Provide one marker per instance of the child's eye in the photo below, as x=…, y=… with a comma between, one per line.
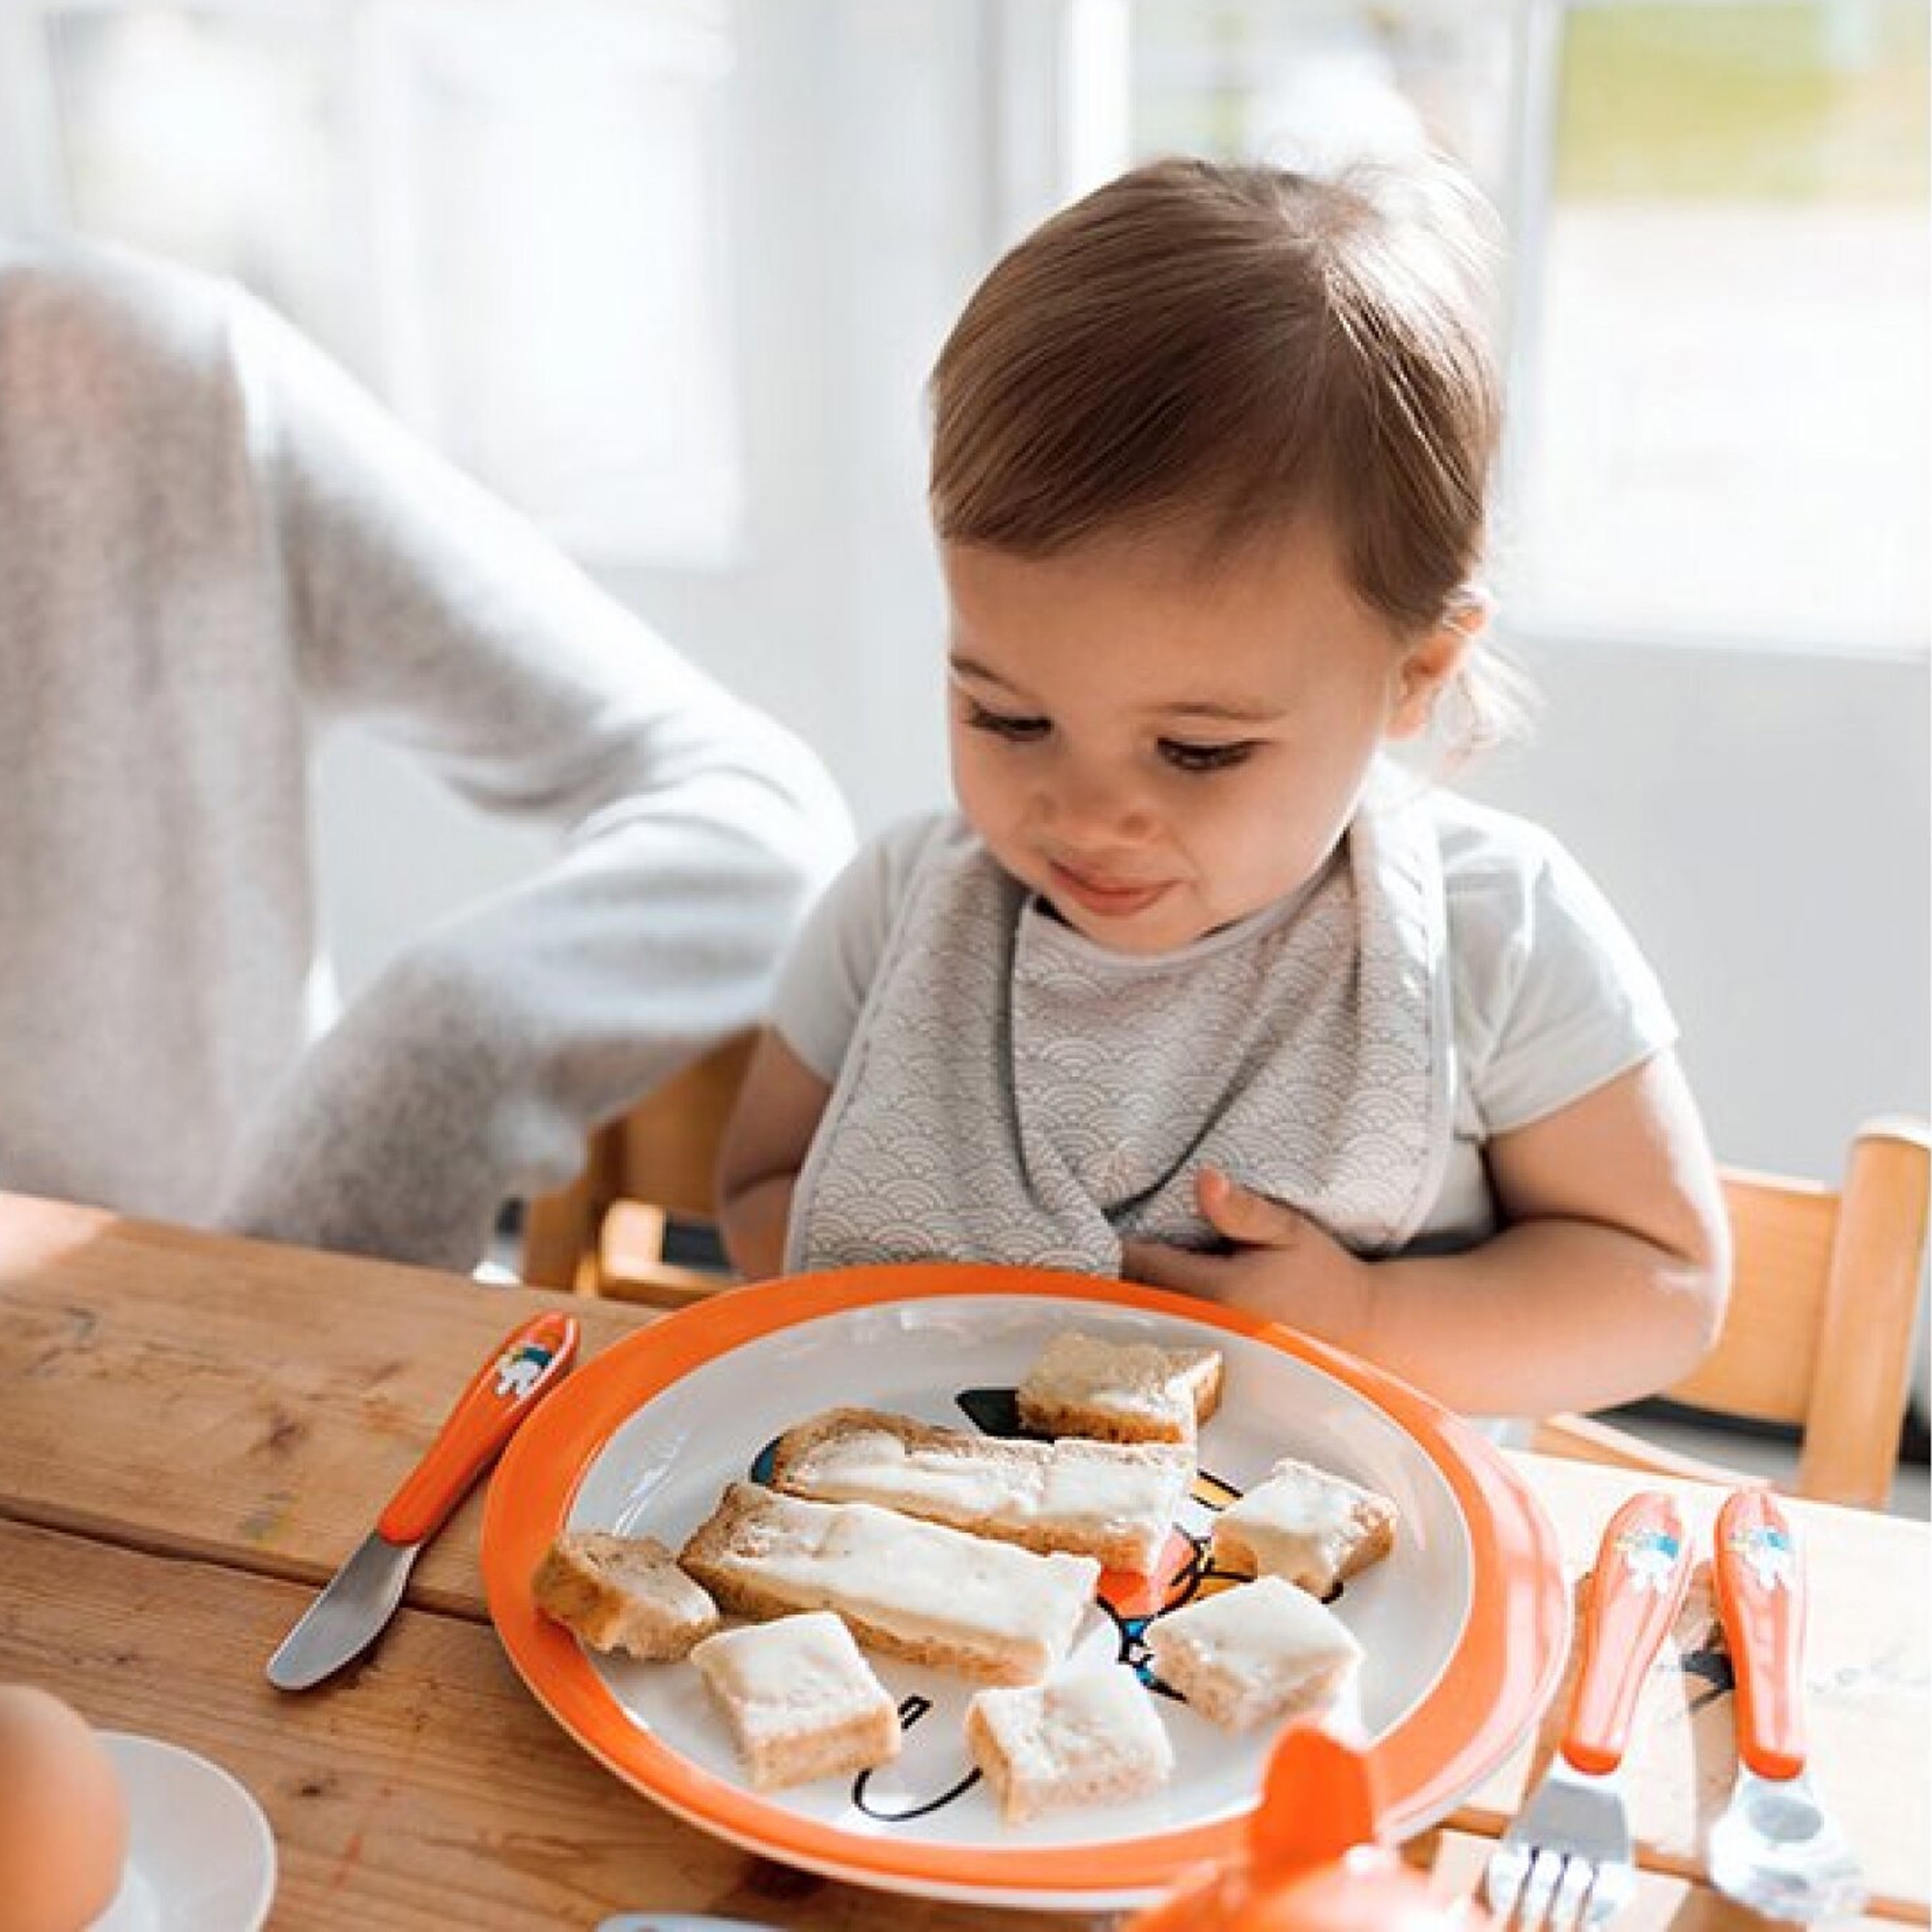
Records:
x=1015, y=730
x=1188, y=757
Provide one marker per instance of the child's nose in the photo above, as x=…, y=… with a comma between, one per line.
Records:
x=1092, y=807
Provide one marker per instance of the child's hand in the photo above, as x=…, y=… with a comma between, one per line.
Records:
x=1284, y=1265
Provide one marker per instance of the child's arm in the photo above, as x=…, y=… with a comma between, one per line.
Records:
x=1606, y=1282
x=766, y=1139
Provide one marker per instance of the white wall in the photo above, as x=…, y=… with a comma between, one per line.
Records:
x=1761, y=822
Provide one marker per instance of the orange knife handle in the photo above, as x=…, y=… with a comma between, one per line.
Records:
x=1643, y=1568
x=1761, y=1599
x=531, y=1360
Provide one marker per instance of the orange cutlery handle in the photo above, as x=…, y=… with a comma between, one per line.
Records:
x=1643, y=1568
x=1760, y=1589
x=504, y=1390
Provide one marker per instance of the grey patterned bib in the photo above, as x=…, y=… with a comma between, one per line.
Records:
x=1015, y=1093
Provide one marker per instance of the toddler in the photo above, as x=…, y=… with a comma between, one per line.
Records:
x=1195, y=987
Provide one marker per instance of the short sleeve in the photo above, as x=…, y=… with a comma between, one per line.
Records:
x=1554, y=998
x=828, y=973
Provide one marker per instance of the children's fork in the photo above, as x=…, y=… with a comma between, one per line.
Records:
x=1568, y=1860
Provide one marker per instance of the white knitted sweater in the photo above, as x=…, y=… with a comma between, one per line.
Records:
x=213, y=546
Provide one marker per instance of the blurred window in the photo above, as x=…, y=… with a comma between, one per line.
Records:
x=1720, y=324
x=1723, y=327
x=510, y=219
x=1326, y=81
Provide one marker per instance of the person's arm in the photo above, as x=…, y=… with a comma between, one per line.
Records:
x=1607, y=1281
x=766, y=1140
x=696, y=831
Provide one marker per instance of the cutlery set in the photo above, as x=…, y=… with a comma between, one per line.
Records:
x=1567, y=1862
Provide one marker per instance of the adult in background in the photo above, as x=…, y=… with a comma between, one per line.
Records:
x=213, y=547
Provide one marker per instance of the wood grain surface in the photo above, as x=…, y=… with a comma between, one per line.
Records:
x=195, y=1431
x=234, y=1399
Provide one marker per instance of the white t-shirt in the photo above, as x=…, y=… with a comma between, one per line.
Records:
x=1550, y=997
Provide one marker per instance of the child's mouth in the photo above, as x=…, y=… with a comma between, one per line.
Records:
x=1103, y=896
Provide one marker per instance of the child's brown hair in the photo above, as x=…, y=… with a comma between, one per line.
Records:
x=1209, y=351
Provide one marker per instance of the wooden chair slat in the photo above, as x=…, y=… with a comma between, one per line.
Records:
x=1824, y=1297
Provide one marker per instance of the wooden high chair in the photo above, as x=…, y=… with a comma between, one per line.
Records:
x=1824, y=1296
x=606, y=1232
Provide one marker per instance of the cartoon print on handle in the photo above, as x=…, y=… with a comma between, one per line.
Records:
x=1651, y=1556
x=1184, y=1575
x=520, y=1369
x=1768, y=1553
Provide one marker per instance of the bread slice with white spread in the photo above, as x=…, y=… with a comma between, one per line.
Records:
x=917, y=1590
x=1120, y=1391
x=1115, y=1502
x=801, y=1701
x=622, y=1593
x=1256, y=1651
x=1306, y=1525
x=1092, y=1737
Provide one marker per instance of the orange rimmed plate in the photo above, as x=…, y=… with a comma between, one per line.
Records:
x=1464, y=1626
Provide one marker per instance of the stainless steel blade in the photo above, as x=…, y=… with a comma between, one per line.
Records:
x=1779, y=1851
x=349, y=1615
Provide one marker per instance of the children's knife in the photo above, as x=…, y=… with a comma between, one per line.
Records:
x=349, y=1615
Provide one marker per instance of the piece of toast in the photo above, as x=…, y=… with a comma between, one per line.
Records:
x=1120, y=1391
x=1113, y=1501
x=800, y=1700
x=1306, y=1525
x=1258, y=1650
x=622, y=1593
x=918, y=1590
x=1092, y=1737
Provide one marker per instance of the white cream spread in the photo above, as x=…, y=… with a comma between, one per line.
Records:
x=1091, y=1727
x=921, y=1580
x=806, y=1662
x=1095, y=1492
x=1303, y=1524
x=1133, y=1381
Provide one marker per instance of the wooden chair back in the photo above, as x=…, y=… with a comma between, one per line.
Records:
x=1824, y=1301
x=605, y=1232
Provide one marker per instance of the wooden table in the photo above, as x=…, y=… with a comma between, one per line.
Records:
x=194, y=1432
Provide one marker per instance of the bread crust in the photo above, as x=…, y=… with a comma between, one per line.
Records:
x=623, y=1593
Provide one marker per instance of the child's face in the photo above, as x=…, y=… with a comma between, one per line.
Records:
x=1159, y=752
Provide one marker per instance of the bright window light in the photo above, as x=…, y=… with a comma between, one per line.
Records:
x=511, y=220
x=1723, y=328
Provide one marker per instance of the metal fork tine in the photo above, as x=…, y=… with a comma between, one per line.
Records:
x=1523, y=1907
x=1588, y=1910
x=1609, y=1890
x=1566, y=1910
x=1503, y=1880
x=1534, y=1895
x=1546, y=1873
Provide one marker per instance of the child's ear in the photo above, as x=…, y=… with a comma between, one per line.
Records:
x=1429, y=665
